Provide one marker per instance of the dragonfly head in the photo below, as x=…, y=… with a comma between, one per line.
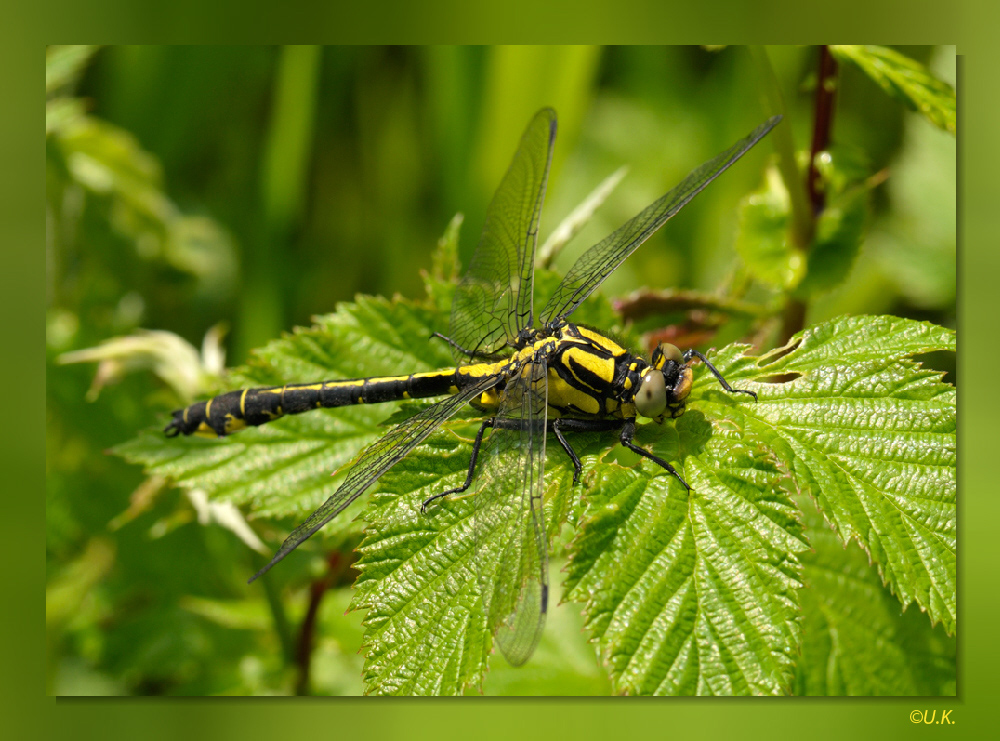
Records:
x=664, y=385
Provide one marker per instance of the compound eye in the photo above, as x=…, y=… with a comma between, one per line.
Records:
x=651, y=398
x=664, y=352
x=672, y=352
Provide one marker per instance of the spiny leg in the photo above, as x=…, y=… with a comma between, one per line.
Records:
x=577, y=466
x=579, y=425
x=472, y=466
x=628, y=431
x=695, y=354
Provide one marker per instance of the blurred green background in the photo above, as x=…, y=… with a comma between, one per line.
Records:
x=258, y=186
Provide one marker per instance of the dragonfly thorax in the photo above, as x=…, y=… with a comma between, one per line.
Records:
x=589, y=375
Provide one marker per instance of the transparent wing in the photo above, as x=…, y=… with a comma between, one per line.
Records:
x=512, y=548
x=376, y=460
x=598, y=262
x=493, y=300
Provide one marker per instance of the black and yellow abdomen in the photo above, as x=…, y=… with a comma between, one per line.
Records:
x=236, y=410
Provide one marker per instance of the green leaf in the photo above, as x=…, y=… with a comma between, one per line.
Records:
x=64, y=64
x=855, y=639
x=871, y=436
x=905, y=80
x=63, y=113
x=693, y=592
x=696, y=592
x=427, y=631
x=762, y=239
x=836, y=242
x=114, y=170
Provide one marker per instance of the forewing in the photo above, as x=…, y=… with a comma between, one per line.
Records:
x=512, y=557
x=376, y=460
x=602, y=259
x=493, y=300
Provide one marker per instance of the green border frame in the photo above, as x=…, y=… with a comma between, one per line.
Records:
x=29, y=713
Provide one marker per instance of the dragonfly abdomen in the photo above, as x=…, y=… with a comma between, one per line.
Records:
x=236, y=410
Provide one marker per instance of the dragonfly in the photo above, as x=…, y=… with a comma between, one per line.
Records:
x=530, y=376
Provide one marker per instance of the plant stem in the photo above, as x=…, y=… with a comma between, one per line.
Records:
x=806, y=200
x=338, y=573
x=304, y=645
x=826, y=91
x=794, y=319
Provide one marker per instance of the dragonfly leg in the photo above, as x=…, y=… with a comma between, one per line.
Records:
x=471, y=354
x=472, y=466
x=561, y=424
x=577, y=466
x=695, y=354
x=628, y=431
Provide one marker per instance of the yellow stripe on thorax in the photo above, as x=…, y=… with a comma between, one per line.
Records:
x=584, y=396
x=598, y=339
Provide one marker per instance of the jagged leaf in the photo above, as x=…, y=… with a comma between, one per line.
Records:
x=693, y=592
x=855, y=639
x=696, y=592
x=426, y=629
x=906, y=80
x=871, y=436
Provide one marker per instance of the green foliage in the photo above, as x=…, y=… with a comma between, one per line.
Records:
x=855, y=639
x=905, y=80
x=110, y=166
x=871, y=436
x=765, y=243
x=63, y=65
x=709, y=601
x=763, y=237
x=693, y=593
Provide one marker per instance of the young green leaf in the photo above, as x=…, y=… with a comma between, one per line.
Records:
x=762, y=239
x=905, y=80
x=837, y=241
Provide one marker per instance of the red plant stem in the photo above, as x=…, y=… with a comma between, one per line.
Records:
x=826, y=91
